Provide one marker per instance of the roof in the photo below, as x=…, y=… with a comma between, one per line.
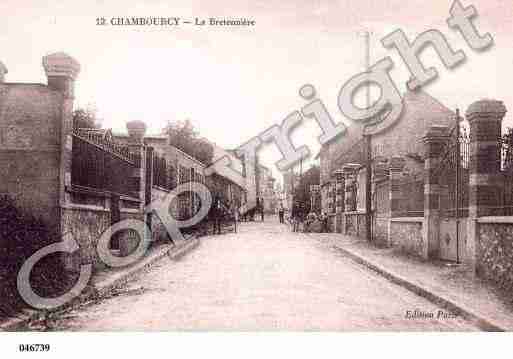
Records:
x=164, y=139
x=420, y=111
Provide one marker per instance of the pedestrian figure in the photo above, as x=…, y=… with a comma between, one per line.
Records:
x=217, y=213
x=235, y=214
x=262, y=208
x=301, y=215
x=310, y=219
x=295, y=217
x=281, y=213
x=324, y=222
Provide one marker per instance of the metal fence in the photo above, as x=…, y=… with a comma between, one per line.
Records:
x=506, y=167
x=411, y=203
x=101, y=164
x=160, y=172
x=453, y=174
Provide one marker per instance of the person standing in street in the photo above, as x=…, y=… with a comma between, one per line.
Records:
x=235, y=214
x=324, y=222
x=262, y=208
x=217, y=213
x=295, y=217
x=281, y=213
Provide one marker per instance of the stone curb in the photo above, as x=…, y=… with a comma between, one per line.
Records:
x=456, y=308
x=103, y=287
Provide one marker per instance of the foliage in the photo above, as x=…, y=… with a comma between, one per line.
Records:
x=21, y=235
x=185, y=137
x=86, y=118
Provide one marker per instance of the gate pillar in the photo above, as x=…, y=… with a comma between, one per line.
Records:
x=484, y=117
x=339, y=199
x=434, y=141
x=395, y=170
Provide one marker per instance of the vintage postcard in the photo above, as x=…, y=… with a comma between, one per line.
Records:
x=254, y=166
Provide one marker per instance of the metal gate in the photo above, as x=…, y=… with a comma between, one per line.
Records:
x=453, y=177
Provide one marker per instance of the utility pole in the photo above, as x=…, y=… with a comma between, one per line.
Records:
x=457, y=194
x=292, y=189
x=368, y=149
x=300, y=178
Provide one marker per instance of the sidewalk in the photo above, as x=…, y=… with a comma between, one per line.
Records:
x=105, y=281
x=452, y=287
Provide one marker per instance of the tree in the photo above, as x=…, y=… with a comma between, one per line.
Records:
x=185, y=137
x=86, y=118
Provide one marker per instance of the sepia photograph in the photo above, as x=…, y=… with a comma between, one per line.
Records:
x=256, y=178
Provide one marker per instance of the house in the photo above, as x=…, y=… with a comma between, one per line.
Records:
x=343, y=172
x=266, y=189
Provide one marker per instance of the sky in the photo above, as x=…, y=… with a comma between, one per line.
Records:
x=233, y=83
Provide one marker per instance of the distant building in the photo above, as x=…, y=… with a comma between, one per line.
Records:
x=266, y=188
x=290, y=183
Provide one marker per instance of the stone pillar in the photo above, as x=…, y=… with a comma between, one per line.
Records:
x=62, y=71
x=339, y=199
x=379, y=172
x=349, y=183
x=136, y=131
x=3, y=72
x=128, y=240
x=330, y=198
x=381, y=220
x=484, y=117
x=434, y=141
x=396, y=170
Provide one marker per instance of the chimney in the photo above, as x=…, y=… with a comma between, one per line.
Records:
x=61, y=71
x=3, y=71
x=136, y=131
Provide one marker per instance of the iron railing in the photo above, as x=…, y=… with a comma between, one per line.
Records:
x=506, y=167
x=160, y=172
x=411, y=203
x=453, y=174
x=101, y=164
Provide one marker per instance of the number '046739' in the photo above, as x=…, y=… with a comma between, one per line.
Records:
x=34, y=347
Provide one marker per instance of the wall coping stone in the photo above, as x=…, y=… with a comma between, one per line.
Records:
x=61, y=64
x=354, y=212
x=495, y=219
x=492, y=109
x=161, y=188
x=84, y=207
x=130, y=210
x=407, y=219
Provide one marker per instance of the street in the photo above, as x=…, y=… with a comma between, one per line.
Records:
x=262, y=278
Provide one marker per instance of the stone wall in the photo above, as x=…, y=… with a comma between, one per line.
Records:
x=380, y=231
x=86, y=225
x=340, y=222
x=406, y=235
x=355, y=224
x=495, y=254
x=159, y=232
x=331, y=222
x=30, y=148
